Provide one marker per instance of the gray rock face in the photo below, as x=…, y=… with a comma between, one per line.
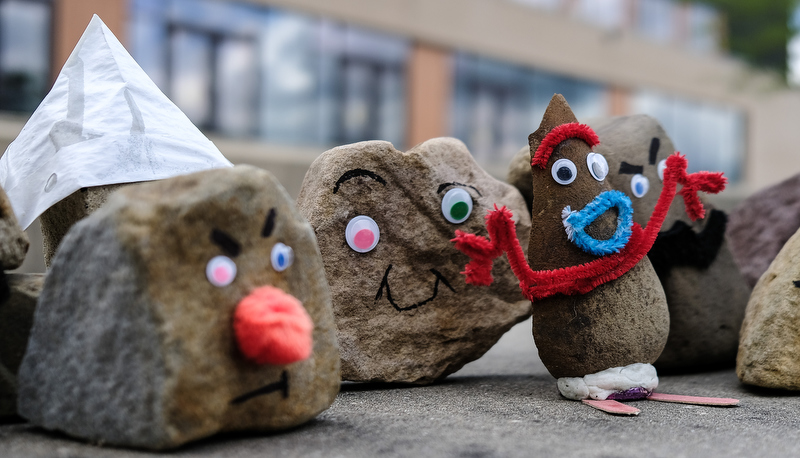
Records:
x=621, y=322
x=133, y=345
x=770, y=335
x=59, y=218
x=403, y=311
x=16, y=319
x=13, y=241
x=761, y=224
x=705, y=292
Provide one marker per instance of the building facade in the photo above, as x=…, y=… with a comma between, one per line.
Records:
x=276, y=82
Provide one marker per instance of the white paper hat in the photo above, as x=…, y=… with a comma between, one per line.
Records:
x=104, y=122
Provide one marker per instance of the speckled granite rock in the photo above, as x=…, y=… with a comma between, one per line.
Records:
x=705, y=292
x=621, y=322
x=761, y=224
x=58, y=219
x=13, y=241
x=16, y=319
x=133, y=345
x=770, y=335
x=403, y=310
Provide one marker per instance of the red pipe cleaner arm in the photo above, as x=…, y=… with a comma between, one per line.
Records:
x=582, y=278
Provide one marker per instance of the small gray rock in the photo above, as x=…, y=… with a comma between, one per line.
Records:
x=133, y=344
x=403, y=310
x=13, y=241
x=770, y=335
x=16, y=319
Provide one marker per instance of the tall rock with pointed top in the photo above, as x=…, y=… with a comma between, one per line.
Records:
x=618, y=323
x=103, y=123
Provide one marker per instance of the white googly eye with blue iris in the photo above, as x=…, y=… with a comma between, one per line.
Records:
x=598, y=166
x=282, y=257
x=639, y=185
x=662, y=165
x=456, y=205
x=221, y=271
x=564, y=171
x=362, y=234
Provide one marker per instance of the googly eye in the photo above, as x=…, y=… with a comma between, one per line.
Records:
x=282, y=256
x=456, y=205
x=564, y=171
x=662, y=165
x=639, y=185
x=362, y=234
x=598, y=166
x=220, y=271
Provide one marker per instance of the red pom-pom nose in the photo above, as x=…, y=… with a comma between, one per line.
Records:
x=272, y=327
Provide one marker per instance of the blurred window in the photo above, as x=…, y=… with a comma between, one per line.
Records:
x=24, y=53
x=656, y=19
x=608, y=14
x=497, y=105
x=243, y=70
x=703, y=28
x=711, y=136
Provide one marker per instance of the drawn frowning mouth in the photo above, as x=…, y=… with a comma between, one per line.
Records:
x=385, y=284
x=282, y=385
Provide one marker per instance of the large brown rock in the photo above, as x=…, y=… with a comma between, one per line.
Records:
x=403, y=311
x=621, y=322
x=705, y=292
x=133, y=345
x=761, y=224
x=770, y=335
x=13, y=241
x=58, y=219
x=16, y=319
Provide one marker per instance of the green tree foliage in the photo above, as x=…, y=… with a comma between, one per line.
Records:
x=757, y=30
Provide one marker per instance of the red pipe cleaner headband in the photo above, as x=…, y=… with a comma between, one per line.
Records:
x=557, y=135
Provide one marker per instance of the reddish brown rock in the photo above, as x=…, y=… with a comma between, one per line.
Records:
x=403, y=310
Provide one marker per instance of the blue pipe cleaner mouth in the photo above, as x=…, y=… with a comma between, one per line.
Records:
x=575, y=223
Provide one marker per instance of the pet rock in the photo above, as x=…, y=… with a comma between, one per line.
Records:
x=600, y=316
x=182, y=308
x=770, y=334
x=384, y=220
x=762, y=224
x=705, y=292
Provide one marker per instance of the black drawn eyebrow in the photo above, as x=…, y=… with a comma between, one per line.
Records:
x=228, y=244
x=350, y=174
x=655, y=144
x=269, y=224
x=624, y=167
x=443, y=186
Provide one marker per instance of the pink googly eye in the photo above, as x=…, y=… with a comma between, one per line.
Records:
x=221, y=271
x=362, y=234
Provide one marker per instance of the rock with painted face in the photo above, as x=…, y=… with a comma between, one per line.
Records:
x=621, y=322
x=183, y=308
x=384, y=220
x=769, y=342
x=705, y=292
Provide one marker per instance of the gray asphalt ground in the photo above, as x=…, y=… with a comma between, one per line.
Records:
x=504, y=404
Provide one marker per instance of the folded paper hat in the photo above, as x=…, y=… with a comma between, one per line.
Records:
x=104, y=122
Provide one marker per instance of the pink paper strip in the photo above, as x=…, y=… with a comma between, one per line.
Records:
x=693, y=400
x=613, y=407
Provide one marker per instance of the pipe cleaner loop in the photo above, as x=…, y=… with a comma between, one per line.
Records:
x=575, y=223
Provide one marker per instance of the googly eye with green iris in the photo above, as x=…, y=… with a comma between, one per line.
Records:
x=456, y=205
x=662, y=165
x=564, y=171
x=598, y=166
x=639, y=185
x=282, y=256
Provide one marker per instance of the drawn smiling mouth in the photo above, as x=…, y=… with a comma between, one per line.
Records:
x=385, y=284
x=282, y=385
